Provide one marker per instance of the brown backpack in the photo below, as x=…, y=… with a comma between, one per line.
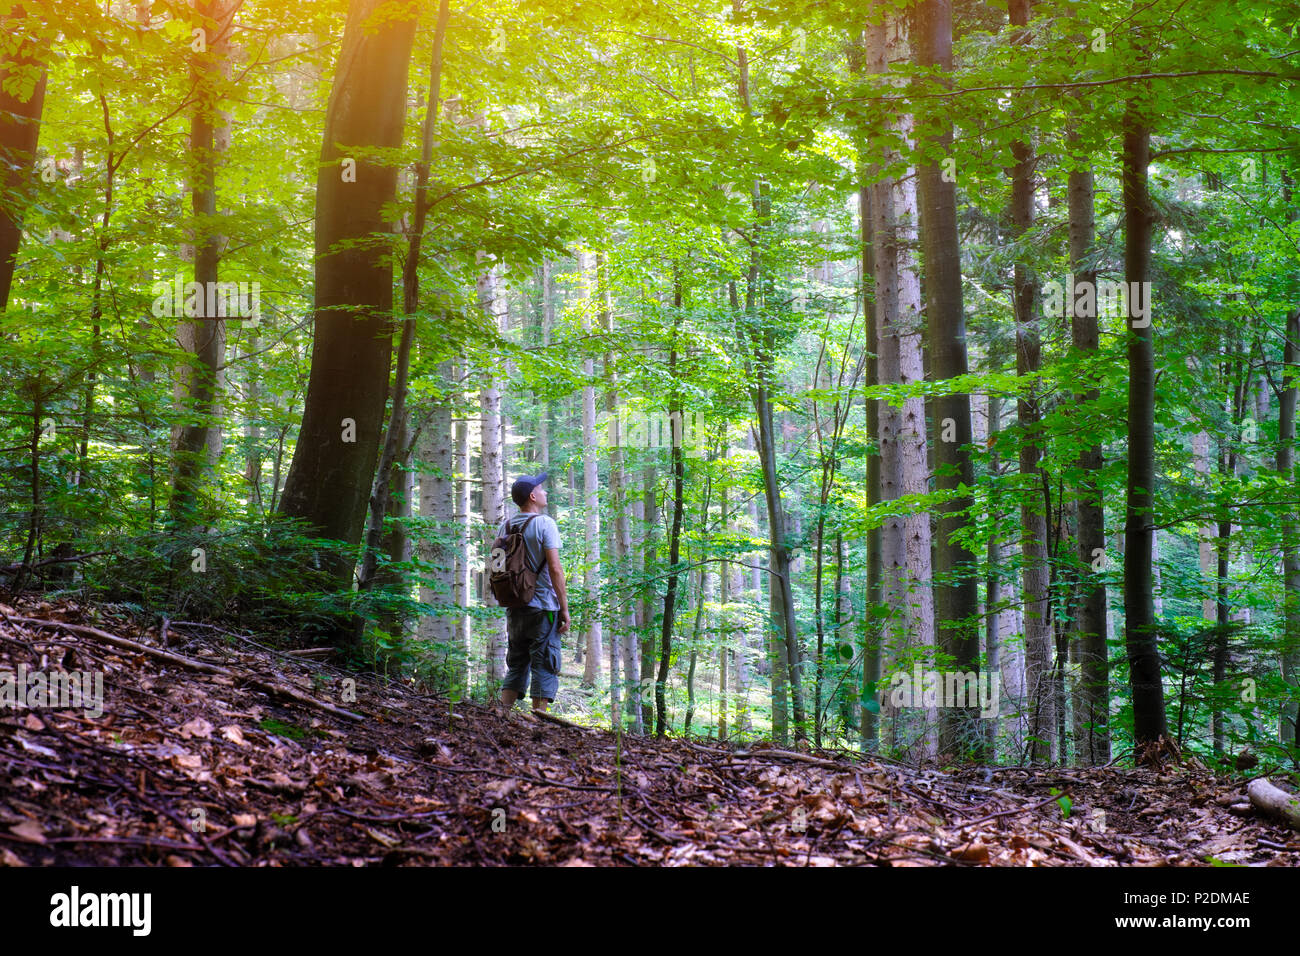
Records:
x=512, y=580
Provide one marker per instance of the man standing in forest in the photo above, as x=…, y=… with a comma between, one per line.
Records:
x=534, y=630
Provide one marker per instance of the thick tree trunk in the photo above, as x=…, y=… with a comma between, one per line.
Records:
x=1139, y=606
x=329, y=481
x=20, y=128
x=904, y=466
x=956, y=594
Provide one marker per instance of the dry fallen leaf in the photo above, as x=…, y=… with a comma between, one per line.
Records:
x=232, y=733
x=198, y=727
x=29, y=830
x=974, y=852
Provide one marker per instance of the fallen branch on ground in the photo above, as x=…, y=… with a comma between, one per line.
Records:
x=1275, y=801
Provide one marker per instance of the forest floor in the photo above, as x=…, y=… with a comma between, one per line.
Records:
x=213, y=748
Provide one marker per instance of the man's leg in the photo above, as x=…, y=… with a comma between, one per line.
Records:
x=517, y=654
x=545, y=661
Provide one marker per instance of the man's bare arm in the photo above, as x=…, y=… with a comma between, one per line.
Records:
x=557, y=582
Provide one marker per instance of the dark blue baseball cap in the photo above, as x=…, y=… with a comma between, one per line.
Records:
x=523, y=487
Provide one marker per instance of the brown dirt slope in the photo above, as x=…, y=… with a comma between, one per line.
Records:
x=215, y=750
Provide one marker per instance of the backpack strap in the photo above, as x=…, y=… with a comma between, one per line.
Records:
x=521, y=531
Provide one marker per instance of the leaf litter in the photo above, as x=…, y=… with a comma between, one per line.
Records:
x=215, y=749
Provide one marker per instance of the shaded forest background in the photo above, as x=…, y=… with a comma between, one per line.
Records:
x=784, y=297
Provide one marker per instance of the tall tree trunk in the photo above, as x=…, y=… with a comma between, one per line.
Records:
x=724, y=628
x=740, y=658
x=492, y=466
x=199, y=442
x=253, y=450
x=904, y=467
x=20, y=129
x=670, y=600
x=464, y=589
x=869, y=700
x=436, y=453
x=1092, y=717
x=702, y=589
x=395, y=543
x=760, y=339
x=330, y=478
x=1139, y=606
x=624, y=649
x=591, y=486
x=1287, y=730
x=1033, y=540
x=547, y=410
x=648, y=568
x=956, y=594
x=1236, y=376
x=993, y=580
x=675, y=535
x=394, y=471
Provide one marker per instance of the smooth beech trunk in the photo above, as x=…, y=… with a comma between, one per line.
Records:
x=329, y=481
x=1139, y=605
x=436, y=453
x=594, y=634
x=905, y=555
x=624, y=649
x=20, y=129
x=869, y=701
x=491, y=466
x=956, y=592
x=464, y=537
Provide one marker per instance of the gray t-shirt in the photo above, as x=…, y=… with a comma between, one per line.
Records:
x=541, y=533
